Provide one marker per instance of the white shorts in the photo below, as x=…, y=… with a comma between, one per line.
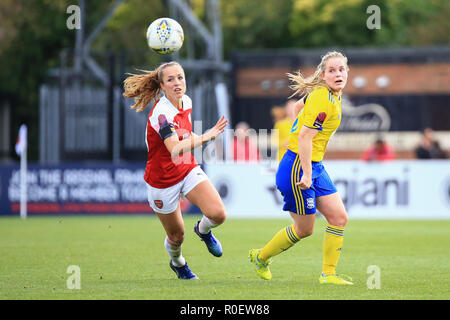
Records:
x=166, y=200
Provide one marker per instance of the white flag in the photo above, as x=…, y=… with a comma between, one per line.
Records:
x=21, y=143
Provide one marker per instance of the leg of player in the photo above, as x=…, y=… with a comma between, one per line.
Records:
x=333, y=209
x=284, y=239
x=302, y=227
x=174, y=226
x=206, y=197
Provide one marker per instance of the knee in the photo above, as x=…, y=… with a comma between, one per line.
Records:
x=344, y=220
x=303, y=232
x=176, y=238
x=340, y=220
x=217, y=214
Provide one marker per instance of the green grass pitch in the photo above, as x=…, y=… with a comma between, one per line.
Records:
x=123, y=257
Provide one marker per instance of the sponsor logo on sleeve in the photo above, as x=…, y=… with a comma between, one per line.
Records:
x=318, y=123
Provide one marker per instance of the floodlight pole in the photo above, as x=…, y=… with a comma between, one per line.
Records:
x=204, y=33
x=79, y=38
x=213, y=60
x=83, y=46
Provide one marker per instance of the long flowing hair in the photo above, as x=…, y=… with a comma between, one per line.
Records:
x=302, y=85
x=146, y=87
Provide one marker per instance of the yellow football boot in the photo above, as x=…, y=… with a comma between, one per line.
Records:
x=262, y=269
x=334, y=279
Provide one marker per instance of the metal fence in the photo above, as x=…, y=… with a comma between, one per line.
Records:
x=76, y=126
x=83, y=119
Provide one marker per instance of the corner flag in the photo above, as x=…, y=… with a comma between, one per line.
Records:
x=21, y=143
x=21, y=150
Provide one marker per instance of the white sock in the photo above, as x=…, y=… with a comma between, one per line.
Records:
x=206, y=225
x=174, y=252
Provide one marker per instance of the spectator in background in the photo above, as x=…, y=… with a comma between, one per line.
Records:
x=284, y=117
x=278, y=113
x=245, y=148
x=428, y=147
x=379, y=151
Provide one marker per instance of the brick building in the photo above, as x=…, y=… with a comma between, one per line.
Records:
x=409, y=86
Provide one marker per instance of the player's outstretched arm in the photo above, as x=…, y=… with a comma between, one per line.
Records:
x=177, y=148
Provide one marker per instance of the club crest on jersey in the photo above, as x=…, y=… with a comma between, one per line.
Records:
x=158, y=204
x=318, y=123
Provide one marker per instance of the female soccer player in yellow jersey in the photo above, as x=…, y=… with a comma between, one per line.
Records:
x=301, y=176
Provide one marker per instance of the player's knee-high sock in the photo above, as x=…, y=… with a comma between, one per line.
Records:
x=174, y=251
x=206, y=225
x=332, y=247
x=283, y=240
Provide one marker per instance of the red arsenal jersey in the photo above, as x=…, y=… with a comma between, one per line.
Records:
x=163, y=171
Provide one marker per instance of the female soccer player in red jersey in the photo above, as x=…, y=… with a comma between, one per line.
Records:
x=172, y=171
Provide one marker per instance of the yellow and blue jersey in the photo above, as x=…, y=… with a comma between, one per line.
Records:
x=322, y=111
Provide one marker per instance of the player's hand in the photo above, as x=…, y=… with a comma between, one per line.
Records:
x=305, y=182
x=215, y=131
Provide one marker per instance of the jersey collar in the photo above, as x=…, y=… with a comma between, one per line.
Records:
x=170, y=104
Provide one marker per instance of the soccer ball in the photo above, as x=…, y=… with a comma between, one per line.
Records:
x=165, y=36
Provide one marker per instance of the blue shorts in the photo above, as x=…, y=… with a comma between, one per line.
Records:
x=296, y=200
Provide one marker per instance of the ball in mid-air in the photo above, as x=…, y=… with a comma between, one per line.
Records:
x=165, y=36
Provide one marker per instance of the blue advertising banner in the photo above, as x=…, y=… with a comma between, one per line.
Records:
x=79, y=188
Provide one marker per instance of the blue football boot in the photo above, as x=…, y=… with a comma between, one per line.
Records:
x=183, y=272
x=213, y=245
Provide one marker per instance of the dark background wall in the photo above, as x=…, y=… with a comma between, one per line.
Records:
x=416, y=95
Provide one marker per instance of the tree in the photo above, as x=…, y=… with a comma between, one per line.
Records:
x=324, y=23
x=36, y=32
x=33, y=33
x=255, y=24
